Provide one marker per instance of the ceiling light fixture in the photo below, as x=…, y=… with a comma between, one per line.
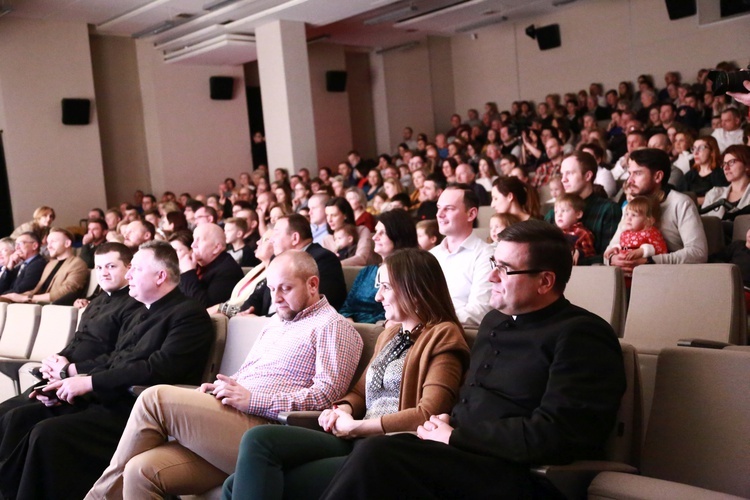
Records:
x=218, y=5
x=318, y=39
x=481, y=24
x=390, y=16
x=130, y=14
x=403, y=46
x=162, y=27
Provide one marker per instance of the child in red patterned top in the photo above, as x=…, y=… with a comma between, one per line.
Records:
x=640, y=238
x=568, y=213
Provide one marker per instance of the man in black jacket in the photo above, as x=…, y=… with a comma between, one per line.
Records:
x=543, y=387
x=293, y=232
x=209, y=273
x=66, y=443
x=97, y=331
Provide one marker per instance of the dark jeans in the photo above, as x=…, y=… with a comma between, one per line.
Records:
x=285, y=462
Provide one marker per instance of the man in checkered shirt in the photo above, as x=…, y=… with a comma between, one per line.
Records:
x=304, y=359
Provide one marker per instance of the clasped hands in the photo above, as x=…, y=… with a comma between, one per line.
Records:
x=338, y=421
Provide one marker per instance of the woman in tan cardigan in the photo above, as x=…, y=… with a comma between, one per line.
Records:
x=415, y=372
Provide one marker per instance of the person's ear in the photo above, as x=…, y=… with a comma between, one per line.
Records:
x=548, y=279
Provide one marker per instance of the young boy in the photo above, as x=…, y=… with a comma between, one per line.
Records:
x=428, y=235
x=234, y=232
x=346, y=240
x=568, y=213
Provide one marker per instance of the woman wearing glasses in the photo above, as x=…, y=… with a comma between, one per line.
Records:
x=736, y=196
x=705, y=173
x=415, y=372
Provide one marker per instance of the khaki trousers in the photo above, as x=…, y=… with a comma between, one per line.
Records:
x=203, y=453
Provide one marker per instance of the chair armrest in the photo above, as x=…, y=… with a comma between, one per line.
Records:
x=572, y=480
x=306, y=419
x=707, y=344
x=136, y=390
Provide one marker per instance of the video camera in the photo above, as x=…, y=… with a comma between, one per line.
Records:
x=729, y=81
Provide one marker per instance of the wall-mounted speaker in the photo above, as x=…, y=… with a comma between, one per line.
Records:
x=677, y=9
x=76, y=111
x=336, y=81
x=222, y=88
x=548, y=37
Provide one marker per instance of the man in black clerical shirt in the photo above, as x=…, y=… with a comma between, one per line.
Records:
x=543, y=387
x=64, y=448
x=97, y=331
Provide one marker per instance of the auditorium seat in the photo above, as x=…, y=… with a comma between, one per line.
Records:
x=685, y=301
x=19, y=331
x=3, y=311
x=622, y=448
x=219, y=322
x=740, y=227
x=601, y=290
x=350, y=274
x=484, y=215
x=696, y=445
x=92, y=284
x=714, y=230
x=483, y=233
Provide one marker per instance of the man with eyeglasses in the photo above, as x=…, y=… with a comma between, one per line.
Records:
x=24, y=267
x=680, y=222
x=543, y=387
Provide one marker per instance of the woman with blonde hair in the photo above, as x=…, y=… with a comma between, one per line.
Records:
x=40, y=224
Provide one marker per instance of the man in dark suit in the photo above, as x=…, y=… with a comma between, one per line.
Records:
x=543, y=387
x=63, y=445
x=293, y=232
x=209, y=273
x=25, y=266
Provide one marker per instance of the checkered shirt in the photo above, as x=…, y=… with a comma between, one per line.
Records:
x=302, y=364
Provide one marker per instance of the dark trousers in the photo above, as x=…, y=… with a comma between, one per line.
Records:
x=405, y=467
x=57, y=452
x=277, y=461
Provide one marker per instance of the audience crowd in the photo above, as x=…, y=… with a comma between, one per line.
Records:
x=625, y=175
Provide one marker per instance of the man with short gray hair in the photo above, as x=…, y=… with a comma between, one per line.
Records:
x=64, y=444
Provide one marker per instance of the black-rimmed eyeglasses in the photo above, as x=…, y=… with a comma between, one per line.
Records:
x=506, y=271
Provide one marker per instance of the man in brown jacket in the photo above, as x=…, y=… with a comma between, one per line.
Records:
x=64, y=277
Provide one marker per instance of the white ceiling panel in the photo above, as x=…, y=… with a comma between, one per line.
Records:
x=341, y=20
x=224, y=50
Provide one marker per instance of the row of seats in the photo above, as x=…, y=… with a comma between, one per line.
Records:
x=30, y=332
x=627, y=452
x=668, y=303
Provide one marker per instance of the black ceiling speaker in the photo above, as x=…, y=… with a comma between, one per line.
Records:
x=547, y=37
x=76, y=111
x=336, y=81
x=677, y=9
x=222, y=88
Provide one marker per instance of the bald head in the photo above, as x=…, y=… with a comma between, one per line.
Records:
x=660, y=141
x=293, y=281
x=208, y=243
